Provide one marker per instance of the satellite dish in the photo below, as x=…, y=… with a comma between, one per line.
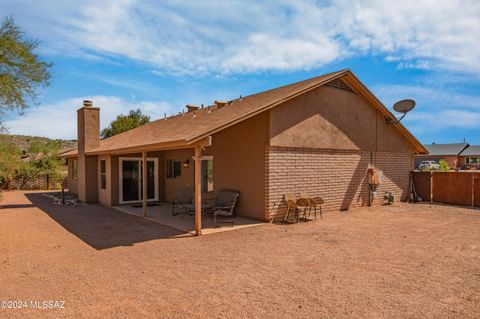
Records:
x=404, y=106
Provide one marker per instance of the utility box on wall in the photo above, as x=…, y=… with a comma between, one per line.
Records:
x=375, y=176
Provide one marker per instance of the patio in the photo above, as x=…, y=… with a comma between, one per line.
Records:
x=162, y=213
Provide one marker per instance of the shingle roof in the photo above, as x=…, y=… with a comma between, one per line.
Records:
x=445, y=149
x=472, y=150
x=68, y=152
x=190, y=127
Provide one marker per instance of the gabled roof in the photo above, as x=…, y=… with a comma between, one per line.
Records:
x=188, y=128
x=446, y=149
x=472, y=150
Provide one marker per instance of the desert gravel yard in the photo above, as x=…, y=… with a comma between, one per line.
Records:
x=405, y=261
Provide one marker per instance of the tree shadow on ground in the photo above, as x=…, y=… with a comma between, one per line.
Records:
x=103, y=227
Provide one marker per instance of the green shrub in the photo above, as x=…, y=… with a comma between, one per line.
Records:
x=443, y=166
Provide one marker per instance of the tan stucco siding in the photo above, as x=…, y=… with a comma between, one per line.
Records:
x=85, y=185
x=239, y=163
x=172, y=186
x=105, y=195
x=330, y=118
x=72, y=182
x=91, y=178
x=115, y=182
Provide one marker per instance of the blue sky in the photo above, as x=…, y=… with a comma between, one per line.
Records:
x=160, y=56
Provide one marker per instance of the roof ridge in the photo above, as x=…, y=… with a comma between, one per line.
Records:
x=294, y=83
x=462, y=143
x=243, y=97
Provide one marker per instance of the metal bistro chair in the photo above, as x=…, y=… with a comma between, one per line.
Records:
x=183, y=203
x=224, y=207
x=313, y=203
x=295, y=205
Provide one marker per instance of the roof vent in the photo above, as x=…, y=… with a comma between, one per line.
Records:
x=191, y=108
x=220, y=104
x=339, y=84
x=87, y=103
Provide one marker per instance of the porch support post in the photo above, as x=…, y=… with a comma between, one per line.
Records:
x=144, y=183
x=198, y=190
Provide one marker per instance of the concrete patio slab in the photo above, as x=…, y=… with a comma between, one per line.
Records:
x=162, y=213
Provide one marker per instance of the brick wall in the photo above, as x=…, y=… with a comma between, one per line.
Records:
x=339, y=177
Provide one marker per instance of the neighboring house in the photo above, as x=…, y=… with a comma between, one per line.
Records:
x=447, y=152
x=320, y=136
x=470, y=157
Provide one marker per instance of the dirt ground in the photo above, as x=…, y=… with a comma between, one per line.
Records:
x=405, y=261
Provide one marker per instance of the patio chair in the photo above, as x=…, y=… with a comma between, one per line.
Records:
x=313, y=203
x=183, y=203
x=291, y=207
x=295, y=205
x=223, y=206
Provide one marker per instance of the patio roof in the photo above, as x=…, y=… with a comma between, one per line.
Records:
x=184, y=129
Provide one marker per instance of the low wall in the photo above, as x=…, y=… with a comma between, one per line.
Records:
x=456, y=188
x=43, y=182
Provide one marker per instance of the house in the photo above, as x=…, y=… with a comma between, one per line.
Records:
x=450, y=153
x=320, y=135
x=470, y=157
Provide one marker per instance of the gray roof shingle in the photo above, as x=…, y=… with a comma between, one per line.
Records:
x=472, y=150
x=445, y=149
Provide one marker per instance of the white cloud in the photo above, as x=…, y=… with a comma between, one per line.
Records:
x=59, y=120
x=437, y=109
x=198, y=37
x=443, y=121
x=434, y=98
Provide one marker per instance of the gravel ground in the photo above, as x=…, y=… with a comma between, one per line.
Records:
x=405, y=261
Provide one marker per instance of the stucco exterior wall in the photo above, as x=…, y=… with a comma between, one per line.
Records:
x=330, y=118
x=72, y=182
x=105, y=195
x=91, y=178
x=172, y=186
x=114, y=190
x=239, y=163
x=88, y=133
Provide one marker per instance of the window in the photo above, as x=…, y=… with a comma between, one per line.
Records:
x=130, y=179
x=173, y=169
x=472, y=160
x=74, y=169
x=207, y=175
x=103, y=174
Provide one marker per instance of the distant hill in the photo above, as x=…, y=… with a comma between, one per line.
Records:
x=22, y=141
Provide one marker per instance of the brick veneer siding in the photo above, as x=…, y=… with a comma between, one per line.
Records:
x=339, y=177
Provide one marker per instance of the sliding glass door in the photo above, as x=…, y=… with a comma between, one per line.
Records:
x=131, y=180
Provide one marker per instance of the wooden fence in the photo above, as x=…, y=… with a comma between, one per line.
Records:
x=457, y=188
